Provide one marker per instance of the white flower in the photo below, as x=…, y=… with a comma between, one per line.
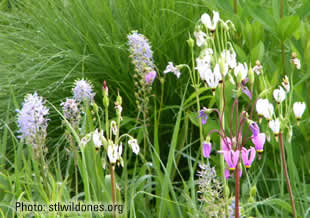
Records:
x=274, y=125
x=229, y=57
x=206, y=20
x=98, y=138
x=85, y=140
x=286, y=84
x=299, y=109
x=171, y=68
x=204, y=62
x=242, y=70
x=279, y=95
x=296, y=62
x=114, y=153
x=257, y=69
x=134, y=145
x=213, y=78
x=200, y=37
x=114, y=127
x=264, y=108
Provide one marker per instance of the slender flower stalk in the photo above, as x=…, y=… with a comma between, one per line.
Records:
x=286, y=175
x=112, y=166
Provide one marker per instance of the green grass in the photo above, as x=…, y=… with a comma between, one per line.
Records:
x=46, y=45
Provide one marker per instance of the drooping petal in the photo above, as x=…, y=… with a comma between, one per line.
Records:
x=254, y=128
x=259, y=141
x=206, y=149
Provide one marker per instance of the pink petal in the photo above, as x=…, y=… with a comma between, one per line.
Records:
x=259, y=141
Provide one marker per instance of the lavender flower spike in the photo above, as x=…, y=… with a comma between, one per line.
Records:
x=231, y=157
x=32, y=120
x=206, y=149
x=245, y=156
x=83, y=91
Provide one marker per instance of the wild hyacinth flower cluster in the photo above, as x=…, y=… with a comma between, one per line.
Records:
x=71, y=112
x=210, y=191
x=83, y=91
x=142, y=58
x=32, y=121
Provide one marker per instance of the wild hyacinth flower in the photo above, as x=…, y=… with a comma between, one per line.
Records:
x=210, y=24
x=279, y=95
x=299, y=108
x=140, y=51
x=274, y=125
x=71, y=112
x=32, y=120
x=206, y=149
x=173, y=69
x=231, y=157
x=248, y=156
x=150, y=76
x=210, y=191
x=83, y=91
x=200, y=37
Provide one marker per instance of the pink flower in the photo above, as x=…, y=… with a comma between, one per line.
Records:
x=226, y=144
x=206, y=149
x=259, y=141
x=231, y=157
x=227, y=173
x=245, y=156
x=150, y=76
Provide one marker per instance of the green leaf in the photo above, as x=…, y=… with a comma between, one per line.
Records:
x=287, y=27
x=257, y=52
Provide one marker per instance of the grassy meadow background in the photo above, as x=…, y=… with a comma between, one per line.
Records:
x=46, y=45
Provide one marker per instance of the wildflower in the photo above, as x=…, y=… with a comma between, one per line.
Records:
x=257, y=68
x=226, y=173
x=71, y=111
x=200, y=37
x=279, y=95
x=226, y=144
x=231, y=157
x=83, y=91
x=241, y=71
x=114, y=153
x=206, y=149
x=173, y=69
x=274, y=125
x=299, y=108
x=114, y=127
x=150, y=76
x=254, y=128
x=264, y=108
x=98, y=138
x=206, y=20
x=203, y=114
x=213, y=78
x=85, y=140
x=134, y=145
x=286, y=84
x=32, y=120
x=245, y=156
x=295, y=61
x=229, y=57
x=140, y=51
x=203, y=63
x=245, y=89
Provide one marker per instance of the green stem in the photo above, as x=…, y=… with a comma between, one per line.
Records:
x=286, y=175
x=113, y=188
x=236, y=6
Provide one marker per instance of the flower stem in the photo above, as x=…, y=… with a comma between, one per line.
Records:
x=286, y=175
x=237, y=186
x=236, y=6
x=113, y=188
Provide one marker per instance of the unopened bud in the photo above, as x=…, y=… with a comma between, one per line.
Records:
x=251, y=76
x=253, y=191
x=190, y=42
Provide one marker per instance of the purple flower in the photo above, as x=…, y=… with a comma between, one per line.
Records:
x=259, y=141
x=71, y=111
x=206, y=149
x=226, y=144
x=254, y=128
x=150, y=76
x=247, y=160
x=140, y=51
x=83, y=91
x=171, y=68
x=231, y=157
x=32, y=120
x=203, y=115
x=246, y=91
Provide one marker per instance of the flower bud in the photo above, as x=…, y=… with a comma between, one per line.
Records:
x=106, y=101
x=190, y=42
x=253, y=191
x=119, y=99
x=251, y=76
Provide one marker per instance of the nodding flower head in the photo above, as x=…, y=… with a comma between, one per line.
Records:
x=150, y=76
x=83, y=91
x=173, y=69
x=231, y=157
x=134, y=145
x=257, y=68
x=210, y=24
x=254, y=128
x=114, y=153
x=213, y=78
x=264, y=108
x=226, y=144
x=206, y=149
x=248, y=156
x=286, y=84
x=299, y=108
x=241, y=71
x=200, y=37
x=274, y=125
x=295, y=61
x=259, y=141
x=203, y=114
x=279, y=95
